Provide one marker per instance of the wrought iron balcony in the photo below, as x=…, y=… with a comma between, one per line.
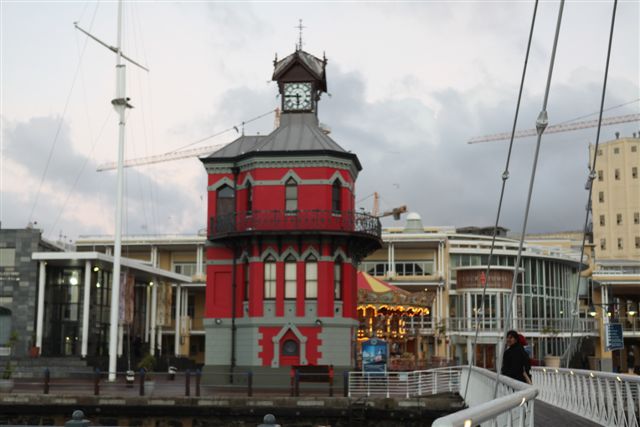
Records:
x=303, y=221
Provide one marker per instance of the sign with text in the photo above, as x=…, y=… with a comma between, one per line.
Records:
x=613, y=337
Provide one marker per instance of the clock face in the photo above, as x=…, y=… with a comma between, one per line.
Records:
x=297, y=97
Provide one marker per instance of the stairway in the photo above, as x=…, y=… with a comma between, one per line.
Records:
x=59, y=367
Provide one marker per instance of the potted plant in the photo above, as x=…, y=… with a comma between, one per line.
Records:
x=148, y=363
x=6, y=382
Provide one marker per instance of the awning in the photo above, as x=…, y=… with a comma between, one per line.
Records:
x=371, y=284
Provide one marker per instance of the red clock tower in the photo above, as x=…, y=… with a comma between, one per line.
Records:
x=284, y=239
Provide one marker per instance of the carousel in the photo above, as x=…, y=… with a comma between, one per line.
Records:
x=393, y=316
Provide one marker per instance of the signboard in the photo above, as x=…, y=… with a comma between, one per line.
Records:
x=374, y=355
x=613, y=337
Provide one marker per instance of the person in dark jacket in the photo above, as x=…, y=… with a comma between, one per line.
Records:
x=515, y=361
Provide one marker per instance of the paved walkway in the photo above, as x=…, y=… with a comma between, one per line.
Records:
x=550, y=416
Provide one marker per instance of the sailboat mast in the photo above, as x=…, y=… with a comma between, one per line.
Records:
x=120, y=105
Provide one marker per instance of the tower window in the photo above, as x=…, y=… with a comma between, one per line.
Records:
x=290, y=348
x=634, y=172
x=600, y=175
x=616, y=150
x=601, y=219
x=637, y=242
x=290, y=277
x=636, y=217
x=616, y=174
x=601, y=196
x=600, y=152
x=291, y=196
x=619, y=219
x=634, y=148
x=619, y=242
x=337, y=279
x=311, y=278
x=270, y=278
x=336, y=199
x=249, y=198
x=225, y=198
x=603, y=244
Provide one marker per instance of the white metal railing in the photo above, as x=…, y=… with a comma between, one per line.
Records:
x=513, y=406
x=602, y=397
x=630, y=324
x=404, y=384
x=551, y=326
x=417, y=323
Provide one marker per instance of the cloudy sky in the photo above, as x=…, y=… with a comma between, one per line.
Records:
x=410, y=83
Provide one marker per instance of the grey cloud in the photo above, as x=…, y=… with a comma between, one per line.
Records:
x=148, y=204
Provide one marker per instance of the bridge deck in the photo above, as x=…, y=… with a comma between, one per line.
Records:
x=549, y=416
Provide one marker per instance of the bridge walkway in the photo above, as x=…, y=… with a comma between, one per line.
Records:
x=546, y=415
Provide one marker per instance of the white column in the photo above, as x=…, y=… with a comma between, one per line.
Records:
x=147, y=311
x=152, y=331
x=199, y=260
x=469, y=311
x=392, y=267
x=470, y=355
x=40, y=314
x=85, y=309
x=154, y=256
x=178, y=294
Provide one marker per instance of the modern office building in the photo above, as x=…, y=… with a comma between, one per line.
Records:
x=615, y=211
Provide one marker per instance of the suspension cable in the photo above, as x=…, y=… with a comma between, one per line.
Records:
x=592, y=175
x=505, y=177
x=541, y=124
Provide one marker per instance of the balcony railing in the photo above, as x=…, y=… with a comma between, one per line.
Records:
x=549, y=326
x=295, y=221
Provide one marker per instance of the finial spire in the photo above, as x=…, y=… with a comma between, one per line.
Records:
x=300, y=27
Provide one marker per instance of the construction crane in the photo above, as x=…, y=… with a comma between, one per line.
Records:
x=192, y=152
x=562, y=127
x=396, y=212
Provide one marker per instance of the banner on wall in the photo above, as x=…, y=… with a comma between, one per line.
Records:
x=163, y=313
x=125, y=312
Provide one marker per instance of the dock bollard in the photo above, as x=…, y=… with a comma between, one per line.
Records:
x=269, y=420
x=77, y=420
x=250, y=383
x=187, y=383
x=198, y=375
x=96, y=382
x=47, y=378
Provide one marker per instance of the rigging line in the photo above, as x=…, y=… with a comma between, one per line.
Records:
x=541, y=123
x=236, y=127
x=505, y=177
x=86, y=160
x=60, y=122
x=592, y=175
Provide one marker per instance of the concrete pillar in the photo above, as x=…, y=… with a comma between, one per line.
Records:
x=85, y=309
x=152, y=322
x=120, y=339
x=40, y=313
x=147, y=313
x=178, y=295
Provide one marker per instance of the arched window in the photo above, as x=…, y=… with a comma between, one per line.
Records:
x=249, y=198
x=311, y=278
x=225, y=198
x=337, y=279
x=291, y=196
x=290, y=274
x=336, y=196
x=270, y=278
x=245, y=276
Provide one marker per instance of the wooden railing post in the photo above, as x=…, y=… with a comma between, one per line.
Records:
x=198, y=375
x=187, y=383
x=47, y=378
x=142, y=375
x=96, y=382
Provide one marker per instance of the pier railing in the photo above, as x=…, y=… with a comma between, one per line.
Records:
x=404, y=384
x=602, y=397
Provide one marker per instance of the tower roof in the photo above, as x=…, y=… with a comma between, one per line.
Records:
x=297, y=134
x=315, y=66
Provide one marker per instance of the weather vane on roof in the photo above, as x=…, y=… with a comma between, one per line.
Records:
x=300, y=27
